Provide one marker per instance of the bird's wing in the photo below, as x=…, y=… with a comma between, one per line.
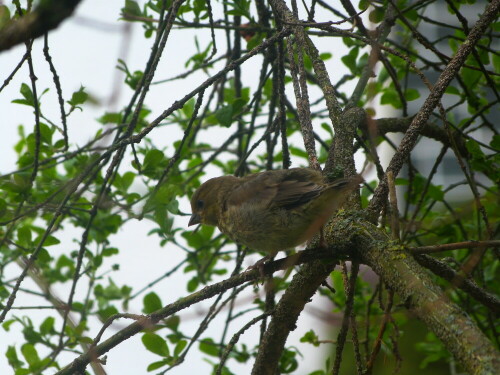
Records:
x=259, y=189
x=293, y=193
x=286, y=190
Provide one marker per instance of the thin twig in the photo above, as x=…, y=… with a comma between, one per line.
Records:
x=453, y=246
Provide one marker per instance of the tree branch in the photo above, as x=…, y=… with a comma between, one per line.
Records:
x=302, y=287
x=454, y=246
x=428, y=129
x=406, y=277
x=47, y=16
x=469, y=286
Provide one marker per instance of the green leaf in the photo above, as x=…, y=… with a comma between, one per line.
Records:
x=20, y=183
x=173, y=322
x=46, y=133
x=208, y=346
x=199, y=6
x=495, y=143
x=188, y=108
x=239, y=8
x=412, y=14
x=163, y=220
x=255, y=40
x=153, y=158
x=124, y=181
x=325, y=56
x=288, y=361
x=307, y=62
x=474, y=148
x=27, y=94
x=495, y=59
x=107, y=312
x=163, y=196
x=436, y=192
x=238, y=105
x=310, y=337
x=131, y=7
x=155, y=344
x=6, y=325
x=109, y=251
x=193, y=284
x=327, y=127
x=151, y=303
x=225, y=115
x=49, y=241
x=44, y=256
x=470, y=77
x=134, y=79
x=199, y=58
x=173, y=206
x=377, y=15
x=78, y=97
x=452, y=90
x=11, y=355
x=412, y=94
x=3, y=207
x=4, y=16
x=179, y=347
x=390, y=97
x=110, y=118
x=364, y=4
x=349, y=60
x=128, y=179
x=295, y=151
x=156, y=365
x=30, y=354
x=47, y=326
x=64, y=262
x=24, y=235
x=59, y=144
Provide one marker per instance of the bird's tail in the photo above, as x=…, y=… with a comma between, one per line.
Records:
x=333, y=197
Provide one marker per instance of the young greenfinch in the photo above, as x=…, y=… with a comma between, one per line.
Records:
x=270, y=211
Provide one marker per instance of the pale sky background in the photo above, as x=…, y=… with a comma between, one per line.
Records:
x=85, y=50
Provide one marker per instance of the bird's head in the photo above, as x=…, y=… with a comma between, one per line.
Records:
x=208, y=199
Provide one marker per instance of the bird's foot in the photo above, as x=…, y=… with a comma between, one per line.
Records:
x=260, y=265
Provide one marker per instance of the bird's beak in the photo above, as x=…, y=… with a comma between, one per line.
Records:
x=195, y=219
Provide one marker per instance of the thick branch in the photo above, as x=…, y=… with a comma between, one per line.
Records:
x=457, y=280
x=340, y=156
x=303, y=286
x=428, y=129
x=422, y=296
x=47, y=16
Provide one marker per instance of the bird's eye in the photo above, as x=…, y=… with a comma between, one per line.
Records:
x=199, y=204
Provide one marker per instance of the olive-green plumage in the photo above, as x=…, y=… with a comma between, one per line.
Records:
x=273, y=210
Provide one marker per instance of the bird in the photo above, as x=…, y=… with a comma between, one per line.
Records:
x=273, y=210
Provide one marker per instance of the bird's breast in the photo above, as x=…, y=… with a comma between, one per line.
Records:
x=262, y=229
